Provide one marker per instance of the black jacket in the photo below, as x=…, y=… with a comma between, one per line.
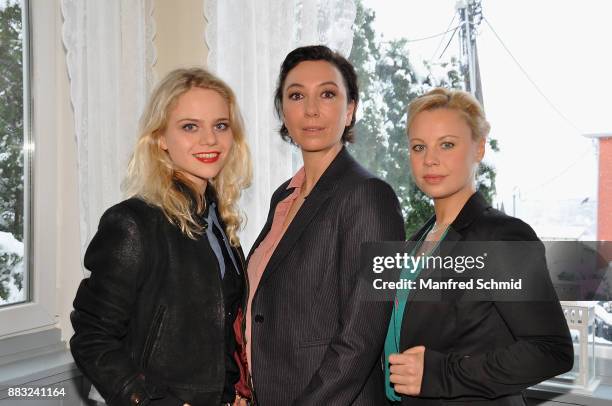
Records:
x=315, y=340
x=480, y=352
x=149, y=321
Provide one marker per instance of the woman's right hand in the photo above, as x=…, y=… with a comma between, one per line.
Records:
x=407, y=370
x=240, y=401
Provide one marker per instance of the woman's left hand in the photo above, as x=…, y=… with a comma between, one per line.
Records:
x=407, y=370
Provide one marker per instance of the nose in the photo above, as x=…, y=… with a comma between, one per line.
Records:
x=311, y=107
x=431, y=157
x=208, y=137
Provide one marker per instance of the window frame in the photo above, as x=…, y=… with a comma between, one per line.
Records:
x=40, y=126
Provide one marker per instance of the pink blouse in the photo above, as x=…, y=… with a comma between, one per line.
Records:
x=263, y=253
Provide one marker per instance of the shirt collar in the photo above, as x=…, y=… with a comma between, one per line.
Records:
x=298, y=179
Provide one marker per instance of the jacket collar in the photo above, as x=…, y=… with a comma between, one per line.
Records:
x=210, y=194
x=474, y=206
x=329, y=179
x=323, y=190
x=471, y=210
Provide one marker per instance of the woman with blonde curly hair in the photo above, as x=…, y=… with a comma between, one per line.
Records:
x=157, y=322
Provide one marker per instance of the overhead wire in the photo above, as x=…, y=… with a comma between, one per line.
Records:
x=442, y=39
x=432, y=36
x=562, y=172
x=533, y=83
x=448, y=43
x=548, y=101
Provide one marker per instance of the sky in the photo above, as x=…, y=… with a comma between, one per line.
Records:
x=563, y=47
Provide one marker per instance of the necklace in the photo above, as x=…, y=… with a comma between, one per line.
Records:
x=401, y=296
x=437, y=227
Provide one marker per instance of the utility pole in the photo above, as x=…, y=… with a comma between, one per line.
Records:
x=470, y=16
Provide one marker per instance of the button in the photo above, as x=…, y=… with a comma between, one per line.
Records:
x=259, y=318
x=135, y=398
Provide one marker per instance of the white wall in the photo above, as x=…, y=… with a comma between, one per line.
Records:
x=180, y=29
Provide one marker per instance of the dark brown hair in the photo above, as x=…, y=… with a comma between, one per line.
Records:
x=318, y=53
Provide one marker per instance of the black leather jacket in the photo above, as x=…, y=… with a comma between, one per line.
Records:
x=149, y=321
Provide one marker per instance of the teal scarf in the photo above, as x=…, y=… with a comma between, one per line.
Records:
x=395, y=325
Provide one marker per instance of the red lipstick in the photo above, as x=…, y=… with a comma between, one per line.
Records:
x=207, y=157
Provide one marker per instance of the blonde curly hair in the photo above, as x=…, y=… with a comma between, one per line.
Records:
x=152, y=175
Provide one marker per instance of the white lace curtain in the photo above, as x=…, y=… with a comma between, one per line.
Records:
x=110, y=54
x=247, y=42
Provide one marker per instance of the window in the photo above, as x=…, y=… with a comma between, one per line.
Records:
x=14, y=158
x=34, y=143
x=547, y=156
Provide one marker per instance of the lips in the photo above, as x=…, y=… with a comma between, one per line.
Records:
x=433, y=179
x=313, y=129
x=207, y=157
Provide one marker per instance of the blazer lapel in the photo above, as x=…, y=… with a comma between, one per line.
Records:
x=474, y=206
x=322, y=191
x=472, y=209
x=419, y=234
x=266, y=229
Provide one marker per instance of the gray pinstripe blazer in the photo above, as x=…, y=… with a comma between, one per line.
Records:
x=314, y=342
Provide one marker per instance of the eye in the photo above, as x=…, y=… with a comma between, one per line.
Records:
x=295, y=96
x=221, y=126
x=190, y=127
x=418, y=147
x=447, y=145
x=328, y=94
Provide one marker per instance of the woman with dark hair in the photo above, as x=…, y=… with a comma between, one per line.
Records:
x=459, y=349
x=154, y=323
x=311, y=339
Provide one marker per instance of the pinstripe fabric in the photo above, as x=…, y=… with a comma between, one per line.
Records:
x=261, y=255
x=314, y=342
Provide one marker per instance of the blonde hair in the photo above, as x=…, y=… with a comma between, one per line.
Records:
x=463, y=102
x=152, y=175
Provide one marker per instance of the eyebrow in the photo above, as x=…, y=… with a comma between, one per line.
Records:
x=329, y=82
x=197, y=120
x=439, y=138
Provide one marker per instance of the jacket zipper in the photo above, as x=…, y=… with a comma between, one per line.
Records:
x=153, y=335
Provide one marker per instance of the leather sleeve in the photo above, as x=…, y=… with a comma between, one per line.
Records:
x=104, y=303
x=370, y=212
x=542, y=349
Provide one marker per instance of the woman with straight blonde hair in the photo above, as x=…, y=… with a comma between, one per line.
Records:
x=158, y=321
